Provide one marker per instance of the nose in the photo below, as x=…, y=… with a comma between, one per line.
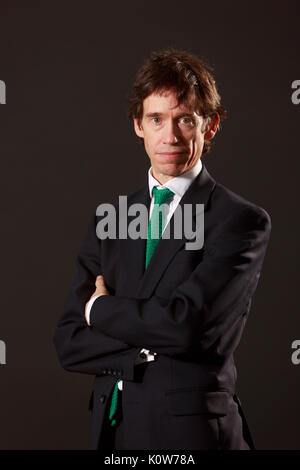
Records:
x=170, y=133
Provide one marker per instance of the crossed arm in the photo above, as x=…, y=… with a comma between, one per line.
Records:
x=205, y=314
x=81, y=348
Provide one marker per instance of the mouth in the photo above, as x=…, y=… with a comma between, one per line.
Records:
x=171, y=154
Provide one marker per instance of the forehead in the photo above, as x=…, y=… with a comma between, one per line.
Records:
x=164, y=102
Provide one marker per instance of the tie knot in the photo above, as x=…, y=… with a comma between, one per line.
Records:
x=162, y=195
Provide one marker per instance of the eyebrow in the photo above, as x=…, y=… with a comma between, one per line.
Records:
x=161, y=114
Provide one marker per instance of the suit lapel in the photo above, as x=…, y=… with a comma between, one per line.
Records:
x=138, y=281
x=133, y=252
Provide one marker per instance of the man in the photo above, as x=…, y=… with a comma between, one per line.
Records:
x=160, y=328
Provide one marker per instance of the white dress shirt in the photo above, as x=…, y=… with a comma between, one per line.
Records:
x=178, y=185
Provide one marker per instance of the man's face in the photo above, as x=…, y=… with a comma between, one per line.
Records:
x=173, y=135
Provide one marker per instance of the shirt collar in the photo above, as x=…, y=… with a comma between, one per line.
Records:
x=178, y=184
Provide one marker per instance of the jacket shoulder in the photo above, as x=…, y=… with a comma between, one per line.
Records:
x=234, y=204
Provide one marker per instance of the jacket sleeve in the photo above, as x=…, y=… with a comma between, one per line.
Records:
x=207, y=312
x=80, y=348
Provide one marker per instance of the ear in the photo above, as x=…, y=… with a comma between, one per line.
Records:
x=212, y=126
x=138, y=128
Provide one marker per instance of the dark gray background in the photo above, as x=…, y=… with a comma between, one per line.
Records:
x=66, y=146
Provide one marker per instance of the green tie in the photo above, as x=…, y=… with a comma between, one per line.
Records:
x=157, y=221
x=114, y=405
x=156, y=225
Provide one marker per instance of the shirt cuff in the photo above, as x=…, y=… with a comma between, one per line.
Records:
x=147, y=356
x=88, y=308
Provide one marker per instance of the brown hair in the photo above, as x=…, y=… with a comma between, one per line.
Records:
x=190, y=77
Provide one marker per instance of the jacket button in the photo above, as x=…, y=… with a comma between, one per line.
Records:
x=119, y=372
x=114, y=372
x=104, y=371
x=142, y=355
x=102, y=398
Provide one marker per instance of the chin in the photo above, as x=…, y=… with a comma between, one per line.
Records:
x=172, y=169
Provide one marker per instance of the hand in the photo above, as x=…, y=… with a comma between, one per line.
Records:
x=100, y=287
x=100, y=290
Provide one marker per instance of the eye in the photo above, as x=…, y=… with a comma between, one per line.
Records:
x=156, y=122
x=187, y=120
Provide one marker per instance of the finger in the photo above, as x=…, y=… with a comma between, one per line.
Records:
x=100, y=283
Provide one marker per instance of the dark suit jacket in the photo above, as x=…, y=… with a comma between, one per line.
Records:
x=189, y=306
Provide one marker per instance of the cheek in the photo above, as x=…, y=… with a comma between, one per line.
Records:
x=152, y=143
x=147, y=142
x=150, y=148
x=192, y=145
x=190, y=139
x=198, y=143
